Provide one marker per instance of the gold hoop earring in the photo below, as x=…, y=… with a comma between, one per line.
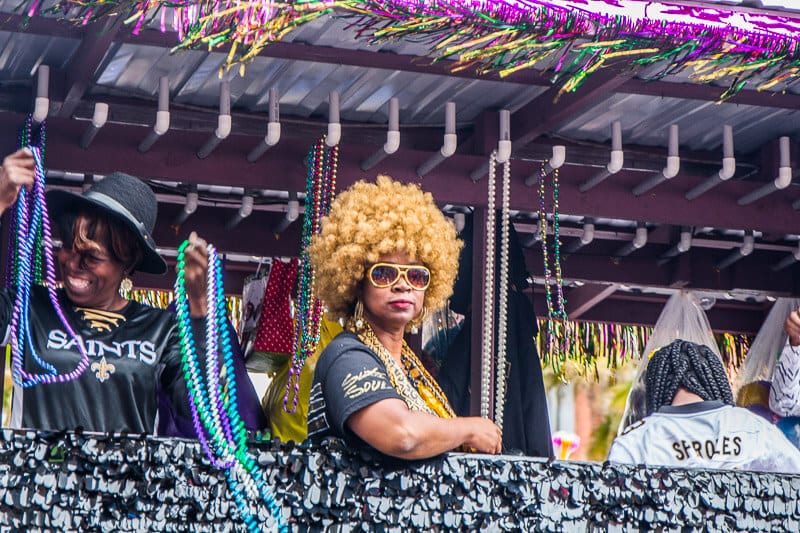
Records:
x=422, y=316
x=126, y=285
x=358, y=314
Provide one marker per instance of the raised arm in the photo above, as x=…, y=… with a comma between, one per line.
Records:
x=390, y=427
x=16, y=171
x=196, y=269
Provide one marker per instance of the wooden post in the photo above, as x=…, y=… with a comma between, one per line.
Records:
x=478, y=305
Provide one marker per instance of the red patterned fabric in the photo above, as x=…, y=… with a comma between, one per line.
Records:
x=275, y=330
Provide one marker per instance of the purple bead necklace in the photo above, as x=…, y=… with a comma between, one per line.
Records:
x=33, y=223
x=214, y=404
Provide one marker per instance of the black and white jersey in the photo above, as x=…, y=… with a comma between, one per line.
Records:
x=132, y=352
x=706, y=435
x=784, y=393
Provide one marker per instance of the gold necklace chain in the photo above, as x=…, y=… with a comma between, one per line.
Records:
x=411, y=380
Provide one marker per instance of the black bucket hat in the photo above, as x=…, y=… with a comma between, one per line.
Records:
x=126, y=199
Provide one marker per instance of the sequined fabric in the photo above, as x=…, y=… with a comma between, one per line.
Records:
x=75, y=482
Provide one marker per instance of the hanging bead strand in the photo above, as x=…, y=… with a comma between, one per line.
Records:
x=548, y=295
x=502, y=304
x=543, y=240
x=320, y=187
x=488, y=290
x=561, y=302
x=33, y=226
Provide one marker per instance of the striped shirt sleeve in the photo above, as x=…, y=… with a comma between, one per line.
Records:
x=784, y=395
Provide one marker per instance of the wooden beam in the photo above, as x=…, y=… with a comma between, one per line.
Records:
x=550, y=109
x=582, y=299
x=709, y=93
x=252, y=236
x=173, y=158
x=642, y=269
x=39, y=25
x=80, y=73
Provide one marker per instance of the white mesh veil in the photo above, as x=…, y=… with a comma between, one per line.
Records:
x=767, y=346
x=681, y=318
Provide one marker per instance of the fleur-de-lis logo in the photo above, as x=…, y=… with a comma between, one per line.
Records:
x=103, y=370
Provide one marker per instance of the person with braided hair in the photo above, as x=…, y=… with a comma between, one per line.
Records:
x=692, y=422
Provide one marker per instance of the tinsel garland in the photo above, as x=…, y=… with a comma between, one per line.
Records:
x=571, y=39
x=614, y=345
x=161, y=299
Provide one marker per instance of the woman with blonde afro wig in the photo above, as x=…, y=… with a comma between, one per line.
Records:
x=372, y=219
x=386, y=255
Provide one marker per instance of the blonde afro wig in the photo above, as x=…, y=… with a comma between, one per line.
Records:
x=370, y=220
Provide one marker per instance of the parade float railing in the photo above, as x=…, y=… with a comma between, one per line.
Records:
x=75, y=481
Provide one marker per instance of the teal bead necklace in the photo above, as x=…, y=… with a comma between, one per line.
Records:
x=555, y=310
x=213, y=397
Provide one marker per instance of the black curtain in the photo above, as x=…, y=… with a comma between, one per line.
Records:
x=526, y=426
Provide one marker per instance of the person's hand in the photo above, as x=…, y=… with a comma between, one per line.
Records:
x=485, y=436
x=792, y=327
x=195, y=260
x=16, y=171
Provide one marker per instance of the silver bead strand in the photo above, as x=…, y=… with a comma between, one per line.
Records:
x=502, y=304
x=488, y=284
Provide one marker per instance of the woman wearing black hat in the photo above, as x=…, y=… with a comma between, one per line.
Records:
x=133, y=349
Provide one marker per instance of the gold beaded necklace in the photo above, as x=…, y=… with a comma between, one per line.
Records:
x=411, y=380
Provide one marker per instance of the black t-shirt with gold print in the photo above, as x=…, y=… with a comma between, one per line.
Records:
x=348, y=377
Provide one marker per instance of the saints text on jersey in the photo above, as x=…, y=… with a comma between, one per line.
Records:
x=144, y=351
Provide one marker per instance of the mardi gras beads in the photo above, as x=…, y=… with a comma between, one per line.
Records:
x=213, y=404
x=320, y=185
x=487, y=334
x=502, y=304
x=33, y=236
x=561, y=311
x=555, y=310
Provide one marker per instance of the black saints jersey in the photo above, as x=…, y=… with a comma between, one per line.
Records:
x=131, y=352
x=706, y=435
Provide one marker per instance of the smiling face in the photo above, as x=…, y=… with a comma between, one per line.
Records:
x=392, y=308
x=91, y=273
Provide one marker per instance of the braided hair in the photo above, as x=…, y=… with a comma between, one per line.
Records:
x=694, y=367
